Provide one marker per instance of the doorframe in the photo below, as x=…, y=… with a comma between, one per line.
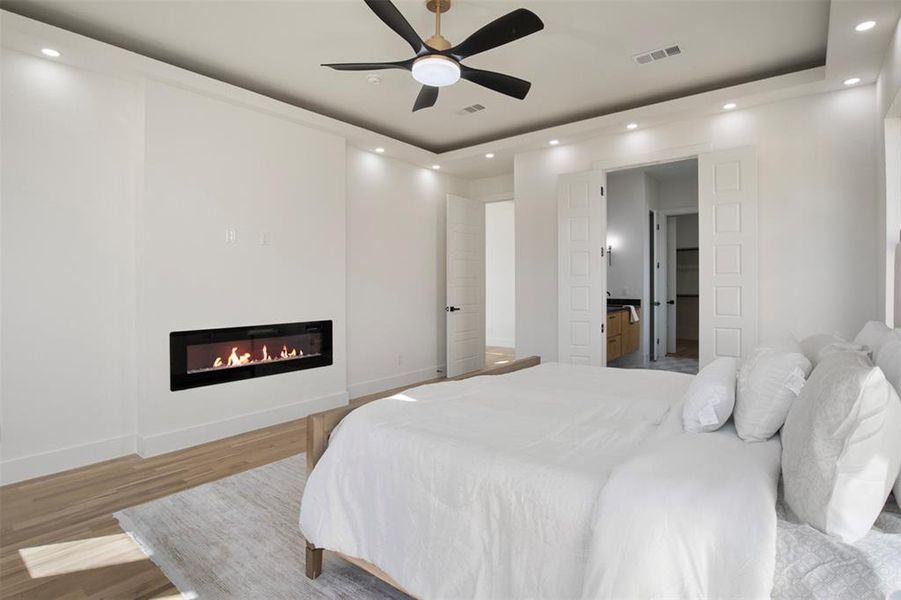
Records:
x=890, y=278
x=659, y=216
x=661, y=156
x=493, y=199
x=675, y=212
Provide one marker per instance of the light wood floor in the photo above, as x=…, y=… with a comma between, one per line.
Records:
x=496, y=356
x=58, y=537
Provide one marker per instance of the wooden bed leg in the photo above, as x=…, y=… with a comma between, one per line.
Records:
x=313, y=561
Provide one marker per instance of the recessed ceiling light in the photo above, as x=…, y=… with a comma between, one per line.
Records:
x=554, y=142
x=852, y=81
x=379, y=150
x=729, y=105
x=489, y=155
x=436, y=167
x=632, y=126
x=50, y=52
x=865, y=26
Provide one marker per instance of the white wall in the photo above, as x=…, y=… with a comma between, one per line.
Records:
x=500, y=274
x=818, y=204
x=212, y=165
x=888, y=95
x=677, y=193
x=116, y=196
x=627, y=232
x=395, y=271
x=71, y=150
x=113, y=238
x=492, y=188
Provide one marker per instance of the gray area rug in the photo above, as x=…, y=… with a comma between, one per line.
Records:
x=239, y=538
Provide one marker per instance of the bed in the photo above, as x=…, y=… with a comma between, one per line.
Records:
x=553, y=481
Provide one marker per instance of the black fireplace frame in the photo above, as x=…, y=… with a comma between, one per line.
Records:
x=180, y=379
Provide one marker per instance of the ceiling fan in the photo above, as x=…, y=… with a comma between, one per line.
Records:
x=437, y=63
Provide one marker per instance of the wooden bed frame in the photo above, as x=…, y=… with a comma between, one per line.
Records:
x=320, y=425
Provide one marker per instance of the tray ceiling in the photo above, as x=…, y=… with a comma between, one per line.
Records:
x=580, y=66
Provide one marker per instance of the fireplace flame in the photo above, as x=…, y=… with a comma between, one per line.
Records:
x=236, y=360
x=233, y=358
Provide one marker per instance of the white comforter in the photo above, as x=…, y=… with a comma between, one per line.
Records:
x=553, y=482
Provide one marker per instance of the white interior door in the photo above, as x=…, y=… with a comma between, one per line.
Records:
x=727, y=236
x=661, y=294
x=465, y=309
x=582, y=268
x=671, y=290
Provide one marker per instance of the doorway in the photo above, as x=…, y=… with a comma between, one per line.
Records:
x=725, y=200
x=652, y=270
x=500, y=283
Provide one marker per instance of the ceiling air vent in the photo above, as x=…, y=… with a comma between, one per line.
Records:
x=655, y=55
x=473, y=108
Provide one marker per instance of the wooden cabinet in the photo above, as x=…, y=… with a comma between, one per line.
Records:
x=614, y=347
x=623, y=337
x=614, y=324
x=631, y=333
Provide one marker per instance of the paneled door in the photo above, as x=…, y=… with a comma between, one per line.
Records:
x=660, y=270
x=465, y=308
x=582, y=268
x=727, y=226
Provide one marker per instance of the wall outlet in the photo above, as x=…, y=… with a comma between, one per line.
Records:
x=400, y=359
x=231, y=235
x=265, y=238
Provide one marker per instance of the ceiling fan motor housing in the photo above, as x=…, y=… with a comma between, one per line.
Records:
x=434, y=5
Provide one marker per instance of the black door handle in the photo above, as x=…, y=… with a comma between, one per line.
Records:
x=452, y=308
x=656, y=303
x=670, y=301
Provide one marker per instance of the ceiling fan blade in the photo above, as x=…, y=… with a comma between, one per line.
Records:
x=511, y=27
x=505, y=84
x=401, y=64
x=388, y=13
x=427, y=97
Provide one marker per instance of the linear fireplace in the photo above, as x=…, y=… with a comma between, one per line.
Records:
x=210, y=356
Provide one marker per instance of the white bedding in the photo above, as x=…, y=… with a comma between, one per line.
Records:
x=497, y=487
x=811, y=564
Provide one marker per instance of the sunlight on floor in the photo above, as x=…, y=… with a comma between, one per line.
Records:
x=403, y=397
x=80, y=555
x=497, y=355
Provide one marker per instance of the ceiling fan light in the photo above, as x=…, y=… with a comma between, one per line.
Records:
x=436, y=71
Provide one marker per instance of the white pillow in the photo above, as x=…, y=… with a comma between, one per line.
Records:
x=897, y=490
x=889, y=360
x=818, y=346
x=840, y=446
x=872, y=336
x=782, y=344
x=710, y=397
x=768, y=383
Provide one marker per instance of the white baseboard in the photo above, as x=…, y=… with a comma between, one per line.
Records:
x=394, y=381
x=160, y=443
x=54, y=461
x=501, y=342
